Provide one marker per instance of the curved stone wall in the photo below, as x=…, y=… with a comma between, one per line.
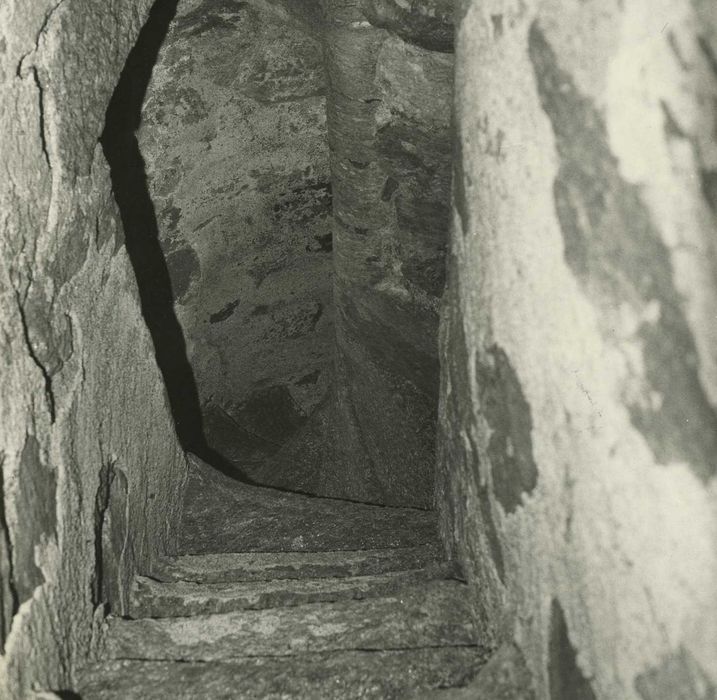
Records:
x=579, y=395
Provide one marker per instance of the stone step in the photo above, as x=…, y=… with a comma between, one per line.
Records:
x=352, y=675
x=221, y=514
x=156, y=599
x=429, y=615
x=267, y=566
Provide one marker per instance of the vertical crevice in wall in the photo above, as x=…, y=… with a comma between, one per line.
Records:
x=102, y=499
x=46, y=375
x=389, y=125
x=130, y=186
x=567, y=681
x=8, y=595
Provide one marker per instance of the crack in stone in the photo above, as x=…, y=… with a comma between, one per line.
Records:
x=49, y=394
x=43, y=126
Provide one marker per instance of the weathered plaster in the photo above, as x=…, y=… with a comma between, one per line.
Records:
x=582, y=205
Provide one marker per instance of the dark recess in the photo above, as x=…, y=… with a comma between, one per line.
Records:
x=9, y=602
x=139, y=220
x=566, y=679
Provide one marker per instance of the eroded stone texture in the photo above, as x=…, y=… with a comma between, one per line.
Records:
x=427, y=23
x=430, y=615
x=677, y=676
x=79, y=386
x=151, y=598
x=580, y=378
x=234, y=138
x=504, y=677
x=508, y=415
x=468, y=511
x=223, y=515
x=595, y=207
x=353, y=675
x=389, y=132
x=262, y=566
x=37, y=511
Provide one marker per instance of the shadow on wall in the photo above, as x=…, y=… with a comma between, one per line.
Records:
x=129, y=183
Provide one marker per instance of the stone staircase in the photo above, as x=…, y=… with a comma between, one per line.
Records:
x=278, y=595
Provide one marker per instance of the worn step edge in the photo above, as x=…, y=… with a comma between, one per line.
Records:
x=267, y=566
x=431, y=614
x=344, y=675
x=156, y=599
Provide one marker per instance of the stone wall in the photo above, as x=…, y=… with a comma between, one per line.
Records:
x=91, y=468
x=389, y=132
x=233, y=135
x=235, y=140
x=578, y=431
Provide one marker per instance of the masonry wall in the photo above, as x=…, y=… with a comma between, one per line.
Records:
x=91, y=469
x=233, y=135
x=578, y=432
x=298, y=158
x=389, y=122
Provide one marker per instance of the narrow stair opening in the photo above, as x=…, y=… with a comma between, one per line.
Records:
x=283, y=171
x=284, y=183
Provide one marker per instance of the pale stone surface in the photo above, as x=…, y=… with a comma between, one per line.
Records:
x=79, y=388
x=352, y=623
x=263, y=566
x=387, y=633
x=578, y=406
x=155, y=599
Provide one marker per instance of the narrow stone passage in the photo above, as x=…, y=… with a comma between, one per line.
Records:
x=427, y=285
x=279, y=595
x=295, y=165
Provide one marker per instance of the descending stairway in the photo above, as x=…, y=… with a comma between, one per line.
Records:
x=279, y=595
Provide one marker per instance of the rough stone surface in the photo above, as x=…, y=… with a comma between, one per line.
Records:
x=261, y=566
x=389, y=135
x=565, y=678
x=430, y=615
x=223, y=515
x=579, y=383
x=382, y=675
x=8, y=594
x=675, y=676
x=155, y=599
x=427, y=23
x=79, y=385
x=114, y=544
x=352, y=623
x=233, y=135
x=504, y=677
